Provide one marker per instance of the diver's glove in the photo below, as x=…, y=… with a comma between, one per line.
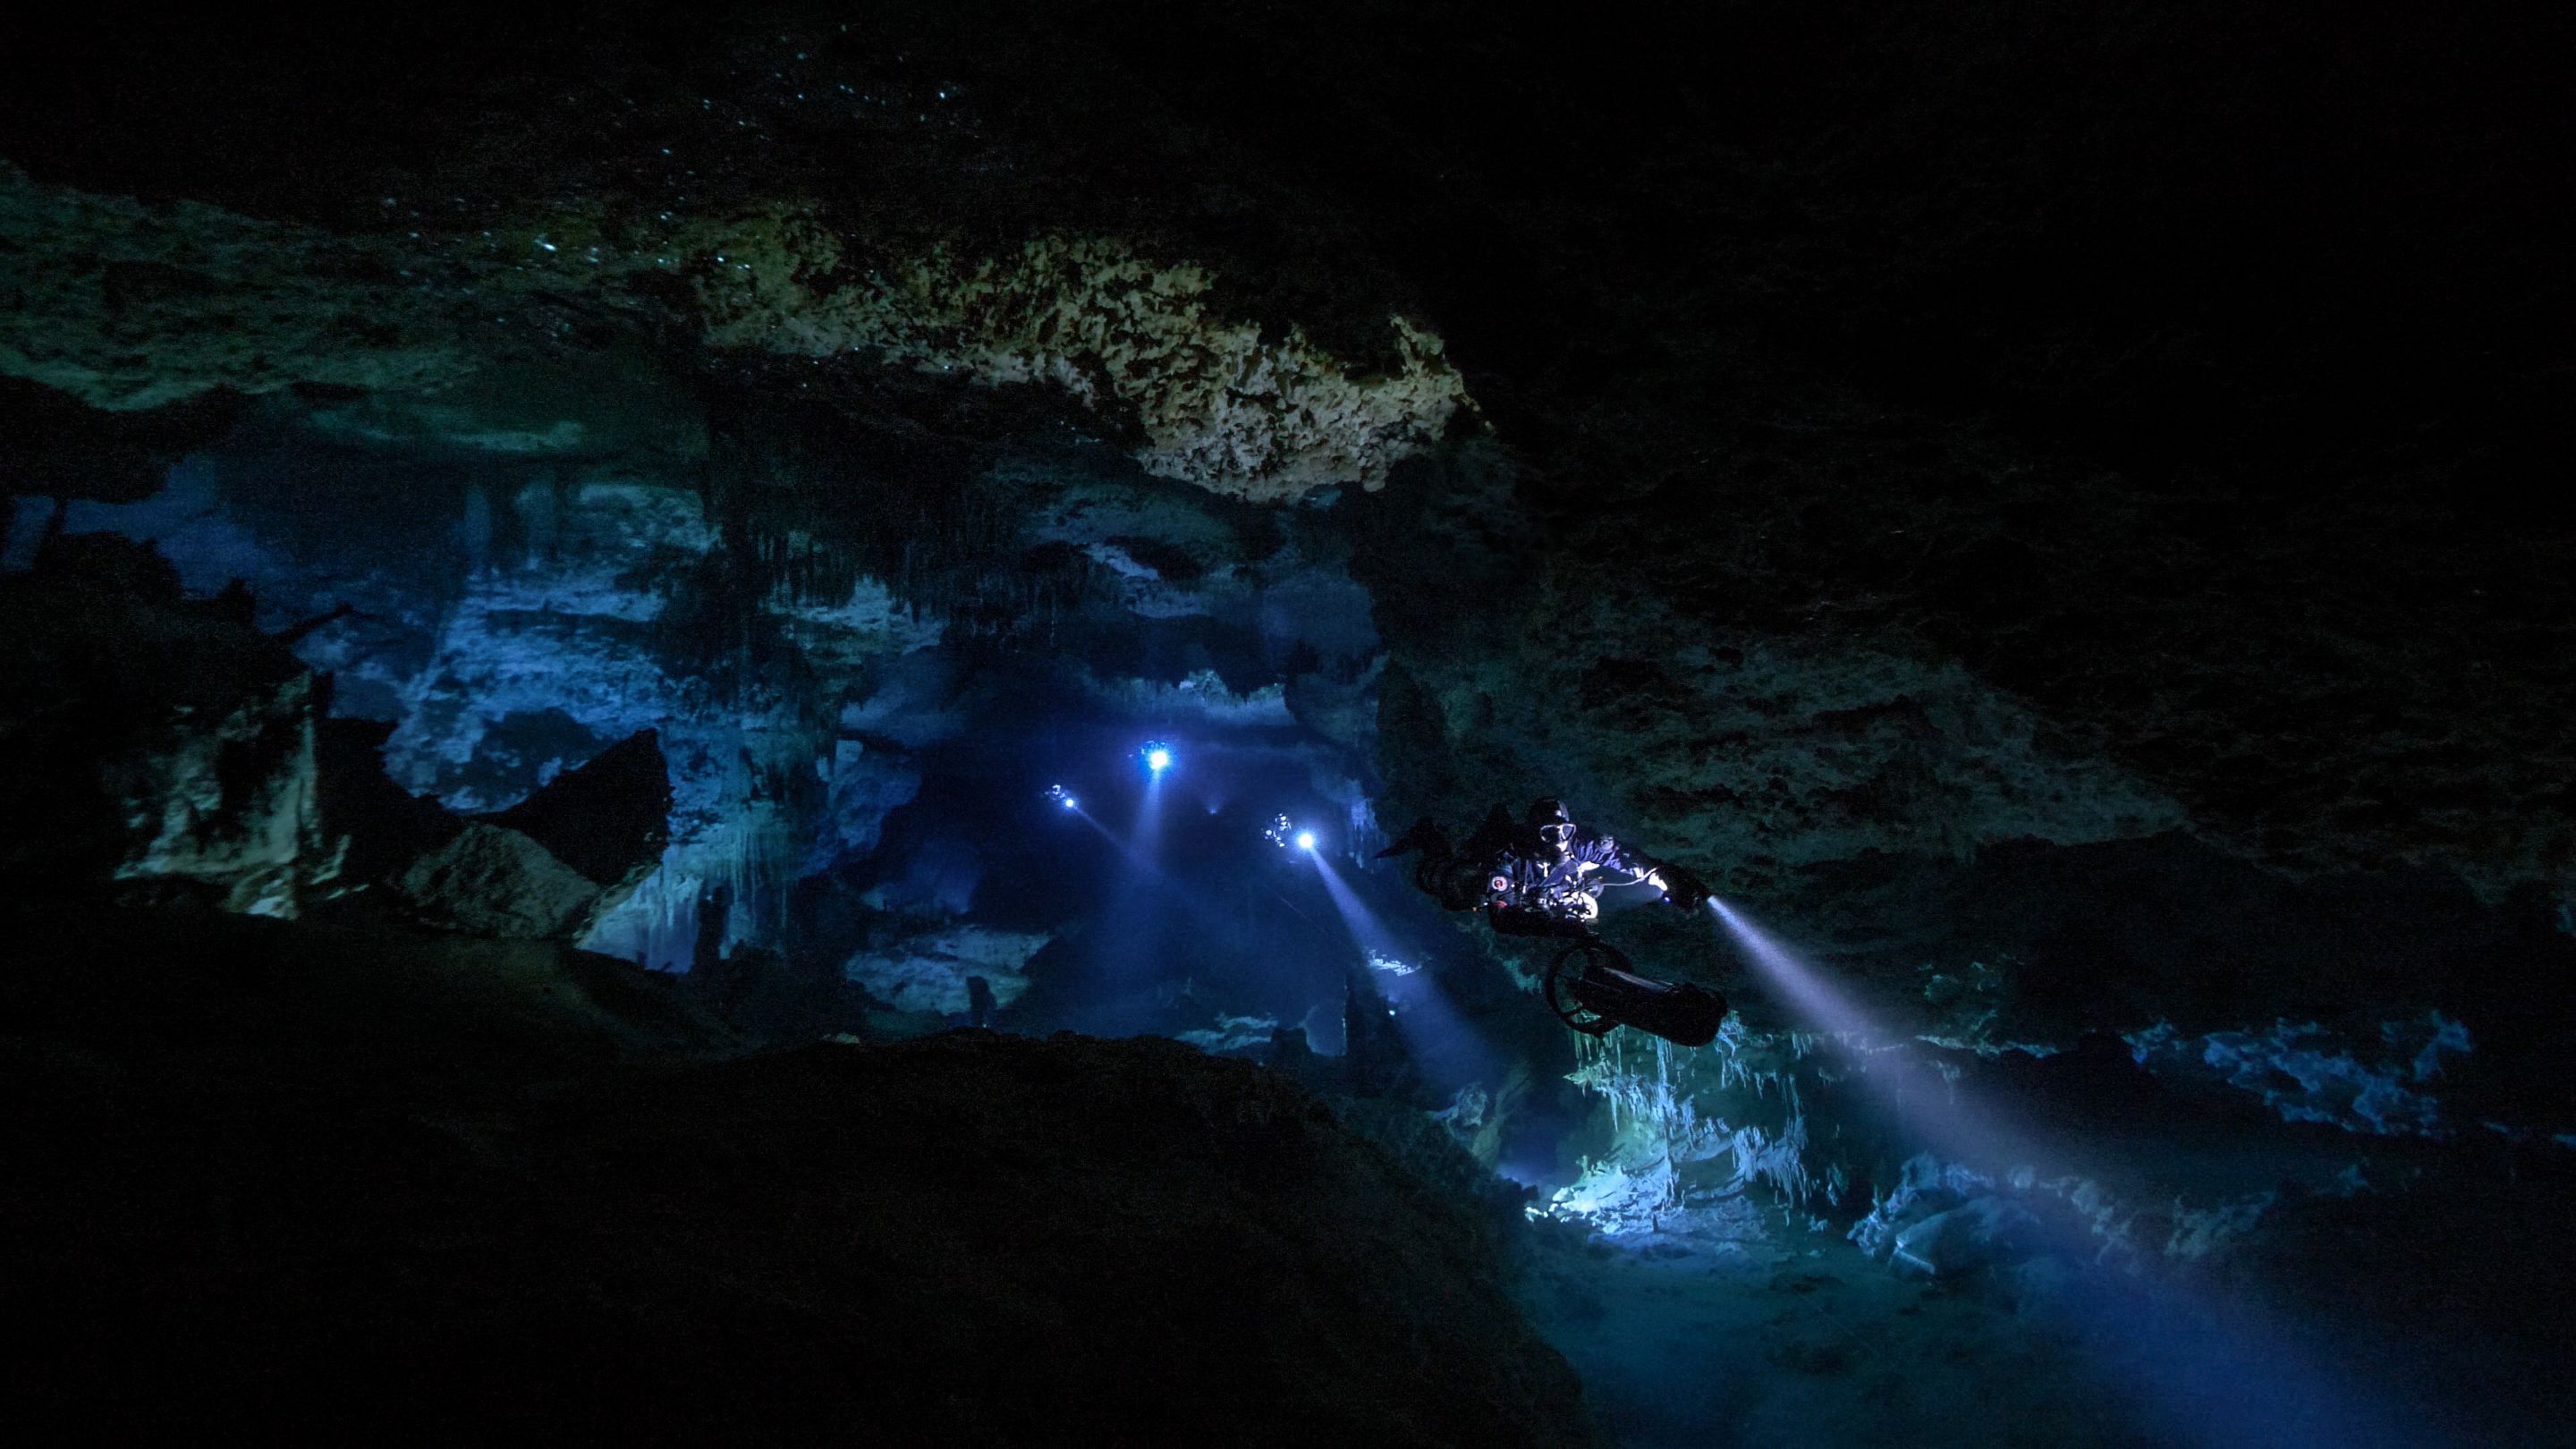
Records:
x=1683, y=888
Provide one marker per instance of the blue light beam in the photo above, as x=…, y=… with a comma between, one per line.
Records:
x=2203, y=1369
x=1442, y=1041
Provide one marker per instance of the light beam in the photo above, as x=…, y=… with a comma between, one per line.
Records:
x=2202, y=1368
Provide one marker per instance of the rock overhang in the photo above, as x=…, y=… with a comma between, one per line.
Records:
x=504, y=341
x=789, y=193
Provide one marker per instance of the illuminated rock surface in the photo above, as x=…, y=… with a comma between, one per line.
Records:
x=155, y=740
x=140, y=307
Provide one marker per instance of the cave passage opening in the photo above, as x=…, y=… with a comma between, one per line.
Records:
x=1015, y=757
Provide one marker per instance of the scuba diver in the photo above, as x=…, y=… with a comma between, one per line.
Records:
x=1543, y=876
x=1548, y=880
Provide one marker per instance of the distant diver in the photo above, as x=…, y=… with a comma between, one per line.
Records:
x=1543, y=876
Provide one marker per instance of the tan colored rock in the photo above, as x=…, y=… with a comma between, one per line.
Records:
x=130, y=306
x=1218, y=406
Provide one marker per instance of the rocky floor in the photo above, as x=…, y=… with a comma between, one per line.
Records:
x=1737, y=1323
x=1773, y=1345
x=305, y=1182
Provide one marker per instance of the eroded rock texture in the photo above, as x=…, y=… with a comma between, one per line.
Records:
x=131, y=306
x=154, y=740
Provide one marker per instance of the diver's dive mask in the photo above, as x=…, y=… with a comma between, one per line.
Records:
x=1553, y=822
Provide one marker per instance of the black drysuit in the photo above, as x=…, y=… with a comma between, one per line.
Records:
x=1533, y=895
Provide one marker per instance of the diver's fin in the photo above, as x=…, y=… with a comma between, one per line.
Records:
x=1423, y=836
x=1497, y=833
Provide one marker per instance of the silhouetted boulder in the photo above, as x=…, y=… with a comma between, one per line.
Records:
x=382, y=827
x=608, y=818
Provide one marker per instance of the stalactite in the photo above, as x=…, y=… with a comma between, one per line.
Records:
x=1673, y=1109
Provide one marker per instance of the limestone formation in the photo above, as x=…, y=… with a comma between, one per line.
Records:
x=129, y=306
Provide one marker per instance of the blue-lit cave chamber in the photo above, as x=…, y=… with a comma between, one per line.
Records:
x=653, y=802
x=929, y=709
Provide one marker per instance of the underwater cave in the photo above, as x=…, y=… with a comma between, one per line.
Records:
x=1737, y=725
